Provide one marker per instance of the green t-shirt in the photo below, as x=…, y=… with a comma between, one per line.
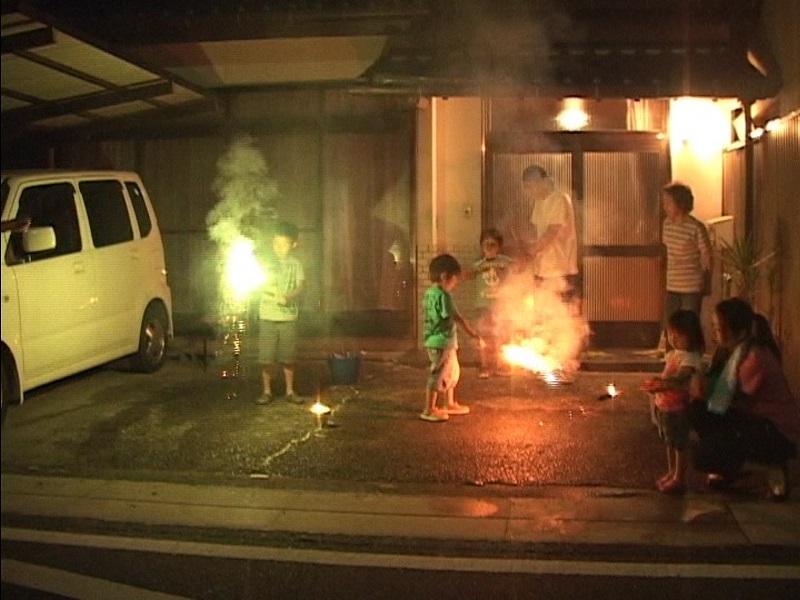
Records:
x=282, y=276
x=489, y=276
x=439, y=326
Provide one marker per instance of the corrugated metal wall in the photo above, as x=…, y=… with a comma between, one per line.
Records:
x=619, y=193
x=621, y=209
x=510, y=209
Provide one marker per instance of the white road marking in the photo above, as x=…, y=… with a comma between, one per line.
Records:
x=405, y=561
x=73, y=585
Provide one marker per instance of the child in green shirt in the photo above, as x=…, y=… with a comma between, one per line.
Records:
x=441, y=340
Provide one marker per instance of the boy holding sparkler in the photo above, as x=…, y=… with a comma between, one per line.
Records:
x=278, y=312
x=441, y=341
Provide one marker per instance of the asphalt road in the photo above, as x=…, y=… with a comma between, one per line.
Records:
x=184, y=423
x=80, y=572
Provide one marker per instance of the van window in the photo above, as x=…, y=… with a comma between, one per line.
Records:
x=50, y=205
x=107, y=211
x=140, y=208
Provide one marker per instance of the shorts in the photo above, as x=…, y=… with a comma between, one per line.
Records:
x=674, y=427
x=277, y=342
x=445, y=370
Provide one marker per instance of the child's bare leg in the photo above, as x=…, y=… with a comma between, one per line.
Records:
x=288, y=373
x=452, y=407
x=431, y=397
x=670, y=468
x=675, y=484
x=486, y=362
x=266, y=379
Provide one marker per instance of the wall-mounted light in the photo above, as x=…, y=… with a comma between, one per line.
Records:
x=573, y=116
x=700, y=123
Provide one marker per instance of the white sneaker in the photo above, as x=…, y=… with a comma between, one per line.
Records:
x=434, y=416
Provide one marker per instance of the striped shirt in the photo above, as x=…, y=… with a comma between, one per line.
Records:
x=688, y=254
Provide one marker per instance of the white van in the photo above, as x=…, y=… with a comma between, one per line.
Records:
x=85, y=283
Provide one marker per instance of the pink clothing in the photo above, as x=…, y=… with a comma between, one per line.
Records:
x=761, y=376
x=677, y=398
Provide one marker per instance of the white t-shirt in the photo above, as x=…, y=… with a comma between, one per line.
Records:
x=560, y=258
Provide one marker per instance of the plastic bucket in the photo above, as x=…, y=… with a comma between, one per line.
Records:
x=344, y=368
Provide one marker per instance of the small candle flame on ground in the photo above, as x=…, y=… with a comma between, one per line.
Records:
x=318, y=408
x=611, y=392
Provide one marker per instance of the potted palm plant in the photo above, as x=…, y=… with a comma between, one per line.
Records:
x=745, y=262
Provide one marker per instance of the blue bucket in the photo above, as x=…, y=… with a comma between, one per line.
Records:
x=345, y=368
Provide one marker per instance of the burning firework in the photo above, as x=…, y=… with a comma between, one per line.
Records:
x=247, y=197
x=243, y=273
x=550, y=333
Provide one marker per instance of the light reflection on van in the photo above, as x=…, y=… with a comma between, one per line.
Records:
x=85, y=282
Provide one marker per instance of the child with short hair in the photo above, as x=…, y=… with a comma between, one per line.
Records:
x=490, y=271
x=671, y=394
x=441, y=340
x=278, y=311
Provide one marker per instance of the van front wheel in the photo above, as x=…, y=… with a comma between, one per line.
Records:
x=152, y=341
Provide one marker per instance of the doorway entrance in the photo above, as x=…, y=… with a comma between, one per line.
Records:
x=614, y=179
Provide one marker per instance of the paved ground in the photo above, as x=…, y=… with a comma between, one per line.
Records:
x=534, y=473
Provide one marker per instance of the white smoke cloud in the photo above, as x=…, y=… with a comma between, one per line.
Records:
x=246, y=194
x=240, y=221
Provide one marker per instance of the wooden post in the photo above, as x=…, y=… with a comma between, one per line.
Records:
x=749, y=170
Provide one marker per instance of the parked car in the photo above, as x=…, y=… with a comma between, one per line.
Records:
x=84, y=280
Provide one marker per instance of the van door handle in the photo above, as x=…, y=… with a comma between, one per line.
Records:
x=80, y=267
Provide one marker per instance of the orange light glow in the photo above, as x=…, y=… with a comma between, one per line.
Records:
x=529, y=302
x=611, y=390
x=526, y=354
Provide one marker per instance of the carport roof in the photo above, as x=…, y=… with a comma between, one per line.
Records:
x=51, y=79
x=67, y=65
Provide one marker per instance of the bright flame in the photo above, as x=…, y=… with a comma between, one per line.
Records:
x=243, y=274
x=525, y=354
x=318, y=408
x=611, y=390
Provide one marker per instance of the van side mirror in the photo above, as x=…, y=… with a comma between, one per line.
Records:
x=38, y=239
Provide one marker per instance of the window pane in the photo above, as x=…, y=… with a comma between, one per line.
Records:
x=140, y=208
x=50, y=205
x=107, y=212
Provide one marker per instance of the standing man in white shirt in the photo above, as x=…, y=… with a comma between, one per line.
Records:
x=554, y=249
